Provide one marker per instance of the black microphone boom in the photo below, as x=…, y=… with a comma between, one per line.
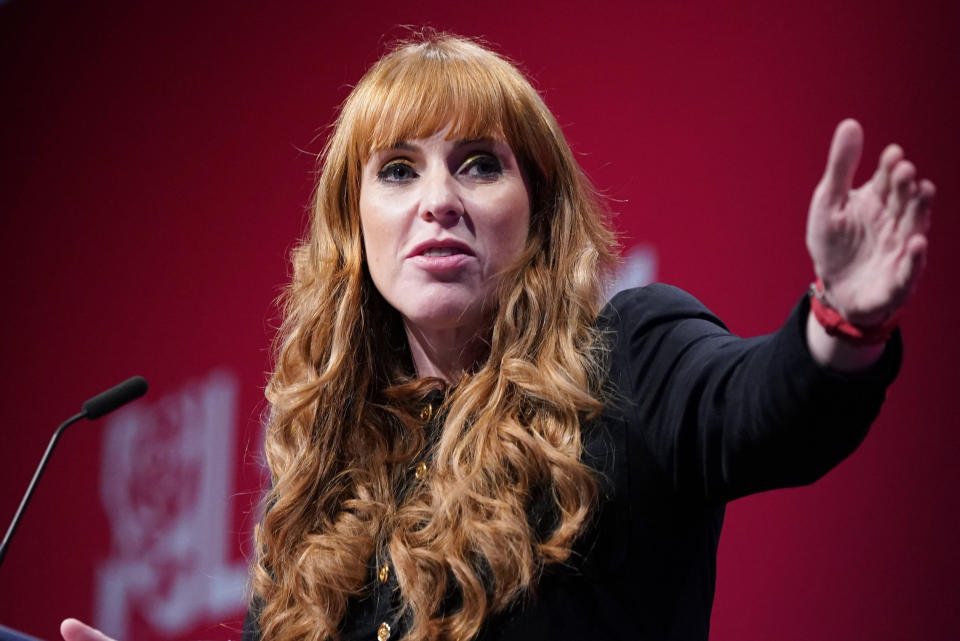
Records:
x=103, y=403
x=106, y=402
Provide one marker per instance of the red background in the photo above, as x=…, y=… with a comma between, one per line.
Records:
x=156, y=164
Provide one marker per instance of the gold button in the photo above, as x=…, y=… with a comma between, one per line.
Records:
x=383, y=632
x=420, y=472
x=426, y=412
x=384, y=573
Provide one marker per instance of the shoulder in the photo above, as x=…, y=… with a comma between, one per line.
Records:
x=643, y=308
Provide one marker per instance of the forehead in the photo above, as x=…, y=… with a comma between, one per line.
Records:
x=441, y=139
x=418, y=101
x=420, y=132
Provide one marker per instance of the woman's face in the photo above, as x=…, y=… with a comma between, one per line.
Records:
x=441, y=219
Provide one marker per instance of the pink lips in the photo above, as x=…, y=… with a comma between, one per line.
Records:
x=441, y=263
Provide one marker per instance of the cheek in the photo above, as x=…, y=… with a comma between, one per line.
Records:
x=383, y=228
x=373, y=230
x=377, y=218
x=512, y=228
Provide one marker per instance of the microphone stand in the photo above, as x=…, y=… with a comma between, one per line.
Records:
x=36, y=477
x=102, y=403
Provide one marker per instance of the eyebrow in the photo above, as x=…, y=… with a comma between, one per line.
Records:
x=405, y=145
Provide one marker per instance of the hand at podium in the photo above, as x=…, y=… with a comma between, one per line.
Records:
x=74, y=630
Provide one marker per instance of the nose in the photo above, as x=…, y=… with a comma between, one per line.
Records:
x=440, y=199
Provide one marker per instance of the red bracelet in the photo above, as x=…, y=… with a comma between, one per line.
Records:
x=836, y=325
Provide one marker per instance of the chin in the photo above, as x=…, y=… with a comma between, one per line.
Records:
x=442, y=312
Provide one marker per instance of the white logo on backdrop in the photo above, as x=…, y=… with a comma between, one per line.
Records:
x=167, y=484
x=638, y=268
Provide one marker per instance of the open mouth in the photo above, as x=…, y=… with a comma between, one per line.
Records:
x=441, y=248
x=442, y=251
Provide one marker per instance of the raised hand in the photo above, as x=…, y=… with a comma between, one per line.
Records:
x=868, y=244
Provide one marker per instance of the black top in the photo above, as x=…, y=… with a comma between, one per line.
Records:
x=697, y=417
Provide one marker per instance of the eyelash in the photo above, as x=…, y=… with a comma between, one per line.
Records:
x=480, y=158
x=472, y=162
x=384, y=174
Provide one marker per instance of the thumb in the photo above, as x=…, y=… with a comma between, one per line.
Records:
x=74, y=630
x=842, y=162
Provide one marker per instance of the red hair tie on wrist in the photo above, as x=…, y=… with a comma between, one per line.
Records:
x=838, y=326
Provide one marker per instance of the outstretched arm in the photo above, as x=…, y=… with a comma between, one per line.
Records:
x=868, y=244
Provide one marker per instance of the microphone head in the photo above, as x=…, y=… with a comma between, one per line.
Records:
x=106, y=402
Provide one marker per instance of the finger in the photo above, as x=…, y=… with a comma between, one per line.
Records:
x=74, y=630
x=916, y=220
x=910, y=268
x=845, y=150
x=881, y=178
x=904, y=187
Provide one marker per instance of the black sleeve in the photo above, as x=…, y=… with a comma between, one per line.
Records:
x=723, y=416
x=251, y=622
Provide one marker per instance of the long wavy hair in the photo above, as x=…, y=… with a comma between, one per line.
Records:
x=343, y=428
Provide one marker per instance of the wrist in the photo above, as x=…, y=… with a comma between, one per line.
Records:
x=838, y=355
x=835, y=324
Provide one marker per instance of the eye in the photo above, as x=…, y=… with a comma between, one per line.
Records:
x=484, y=166
x=396, y=172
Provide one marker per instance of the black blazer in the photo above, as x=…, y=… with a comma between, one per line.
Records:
x=697, y=417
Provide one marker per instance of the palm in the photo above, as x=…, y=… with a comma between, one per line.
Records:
x=868, y=244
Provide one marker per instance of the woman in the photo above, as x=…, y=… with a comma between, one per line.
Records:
x=464, y=445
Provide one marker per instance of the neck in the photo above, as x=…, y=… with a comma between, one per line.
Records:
x=445, y=353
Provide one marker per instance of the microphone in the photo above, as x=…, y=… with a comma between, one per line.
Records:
x=103, y=403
